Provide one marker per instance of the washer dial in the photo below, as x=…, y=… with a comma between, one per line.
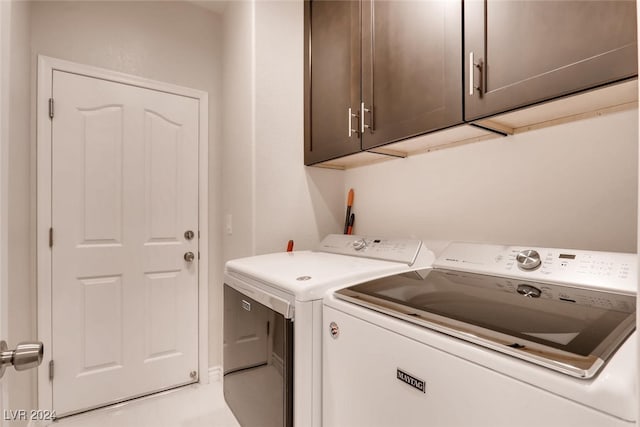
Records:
x=359, y=244
x=528, y=259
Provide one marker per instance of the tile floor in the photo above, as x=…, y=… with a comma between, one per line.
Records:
x=190, y=406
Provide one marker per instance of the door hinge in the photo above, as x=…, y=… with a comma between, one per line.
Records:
x=268, y=328
x=51, y=108
x=198, y=255
x=51, y=370
x=50, y=237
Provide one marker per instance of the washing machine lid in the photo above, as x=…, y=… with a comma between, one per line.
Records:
x=308, y=275
x=564, y=309
x=569, y=329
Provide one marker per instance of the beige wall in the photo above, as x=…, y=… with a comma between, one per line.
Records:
x=572, y=185
x=20, y=259
x=238, y=129
x=269, y=194
x=5, y=13
x=291, y=201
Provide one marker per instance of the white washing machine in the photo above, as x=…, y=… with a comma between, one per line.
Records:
x=491, y=336
x=273, y=322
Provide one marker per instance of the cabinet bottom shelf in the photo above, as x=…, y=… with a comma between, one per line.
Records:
x=598, y=102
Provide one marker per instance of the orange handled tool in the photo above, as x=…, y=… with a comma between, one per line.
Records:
x=349, y=204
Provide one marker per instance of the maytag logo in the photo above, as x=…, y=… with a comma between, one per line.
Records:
x=411, y=380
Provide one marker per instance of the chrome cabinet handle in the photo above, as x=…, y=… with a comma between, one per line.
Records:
x=189, y=256
x=363, y=110
x=350, y=118
x=27, y=355
x=472, y=85
x=471, y=74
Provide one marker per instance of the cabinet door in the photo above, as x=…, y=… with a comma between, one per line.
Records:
x=411, y=68
x=531, y=51
x=332, y=79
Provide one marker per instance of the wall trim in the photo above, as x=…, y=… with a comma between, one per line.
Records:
x=215, y=374
x=46, y=66
x=278, y=362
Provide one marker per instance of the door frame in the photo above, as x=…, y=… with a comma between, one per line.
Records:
x=5, y=13
x=46, y=67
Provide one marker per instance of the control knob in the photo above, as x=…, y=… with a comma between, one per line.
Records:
x=528, y=259
x=359, y=245
x=529, y=291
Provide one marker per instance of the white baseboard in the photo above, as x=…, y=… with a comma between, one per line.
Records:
x=215, y=373
x=278, y=363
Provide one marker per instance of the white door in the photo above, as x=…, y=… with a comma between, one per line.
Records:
x=124, y=192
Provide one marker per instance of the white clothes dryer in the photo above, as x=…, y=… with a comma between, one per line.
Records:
x=273, y=322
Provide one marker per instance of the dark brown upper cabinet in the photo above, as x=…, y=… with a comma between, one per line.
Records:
x=379, y=72
x=519, y=53
x=332, y=79
x=411, y=68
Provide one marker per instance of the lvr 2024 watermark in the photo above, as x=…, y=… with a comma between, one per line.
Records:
x=28, y=415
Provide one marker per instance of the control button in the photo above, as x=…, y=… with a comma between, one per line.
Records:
x=529, y=291
x=528, y=259
x=358, y=245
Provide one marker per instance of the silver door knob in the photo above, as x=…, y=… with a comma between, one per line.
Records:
x=189, y=256
x=27, y=355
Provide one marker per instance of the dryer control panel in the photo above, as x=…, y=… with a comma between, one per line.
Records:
x=611, y=271
x=397, y=250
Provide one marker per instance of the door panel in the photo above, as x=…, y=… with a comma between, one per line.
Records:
x=335, y=79
x=536, y=50
x=411, y=68
x=102, y=324
x=124, y=190
x=102, y=195
x=162, y=294
x=162, y=146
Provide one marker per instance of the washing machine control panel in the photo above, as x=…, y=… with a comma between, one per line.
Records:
x=604, y=270
x=397, y=250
